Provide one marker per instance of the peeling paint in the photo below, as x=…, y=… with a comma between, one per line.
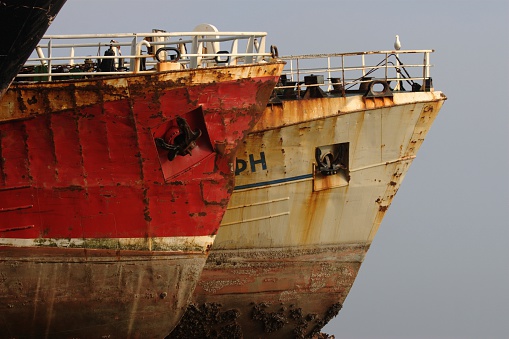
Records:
x=101, y=201
x=288, y=276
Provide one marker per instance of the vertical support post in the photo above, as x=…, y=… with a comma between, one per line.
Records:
x=329, y=74
x=261, y=48
x=193, y=60
x=50, y=45
x=343, y=83
x=249, y=49
x=424, y=71
x=386, y=66
x=397, y=87
x=291, y=70
x=132, y=60
x=71, y=62
x=235, y=51
x=363, y=65
x=298, y=79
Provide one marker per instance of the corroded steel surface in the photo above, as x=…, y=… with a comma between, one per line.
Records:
x=293, y=239
x=270, y=293
x=79, y=159
x=72, y=293
x=23, y=24
x=81, y=173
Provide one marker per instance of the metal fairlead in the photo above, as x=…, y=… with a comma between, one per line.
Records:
x=181, y=144
x=374, y=92
x=175, y=57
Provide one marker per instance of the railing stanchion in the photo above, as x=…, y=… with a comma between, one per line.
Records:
x=363, y=65
x=386, y=66
x=329, y=74
x=343, y=81
x=49, y=58
x=424, y=62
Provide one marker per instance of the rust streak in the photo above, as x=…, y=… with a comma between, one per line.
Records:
x=13, y=188
x=18, y=228
x=15, y=208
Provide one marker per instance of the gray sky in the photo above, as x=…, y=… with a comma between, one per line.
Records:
x=439, y=265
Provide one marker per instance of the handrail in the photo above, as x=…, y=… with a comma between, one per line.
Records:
x=152, y=34
x=342, y=73
x=81, y=55
x=325, y=55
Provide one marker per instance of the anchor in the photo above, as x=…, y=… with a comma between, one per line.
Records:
x=181, y=141
x=328, y=164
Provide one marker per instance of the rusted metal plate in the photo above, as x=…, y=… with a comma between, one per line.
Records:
x=279, y=165
x=287, y=253
x=97, y=163
x=270, y=293
x=75, y=293
x=82, y=172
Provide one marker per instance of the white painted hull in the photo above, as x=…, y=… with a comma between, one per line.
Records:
x=292, y=240
x=289, y=205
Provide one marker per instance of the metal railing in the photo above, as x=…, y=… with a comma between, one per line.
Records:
x=343, y=73
x=78, y=56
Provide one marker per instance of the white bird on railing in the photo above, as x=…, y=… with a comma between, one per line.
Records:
x=397, y=43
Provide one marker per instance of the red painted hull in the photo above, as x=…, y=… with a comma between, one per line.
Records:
x=81, y=172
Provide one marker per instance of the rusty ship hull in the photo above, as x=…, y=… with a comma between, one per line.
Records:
x=27, y=20
x=102, y=232
x=297, y=229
